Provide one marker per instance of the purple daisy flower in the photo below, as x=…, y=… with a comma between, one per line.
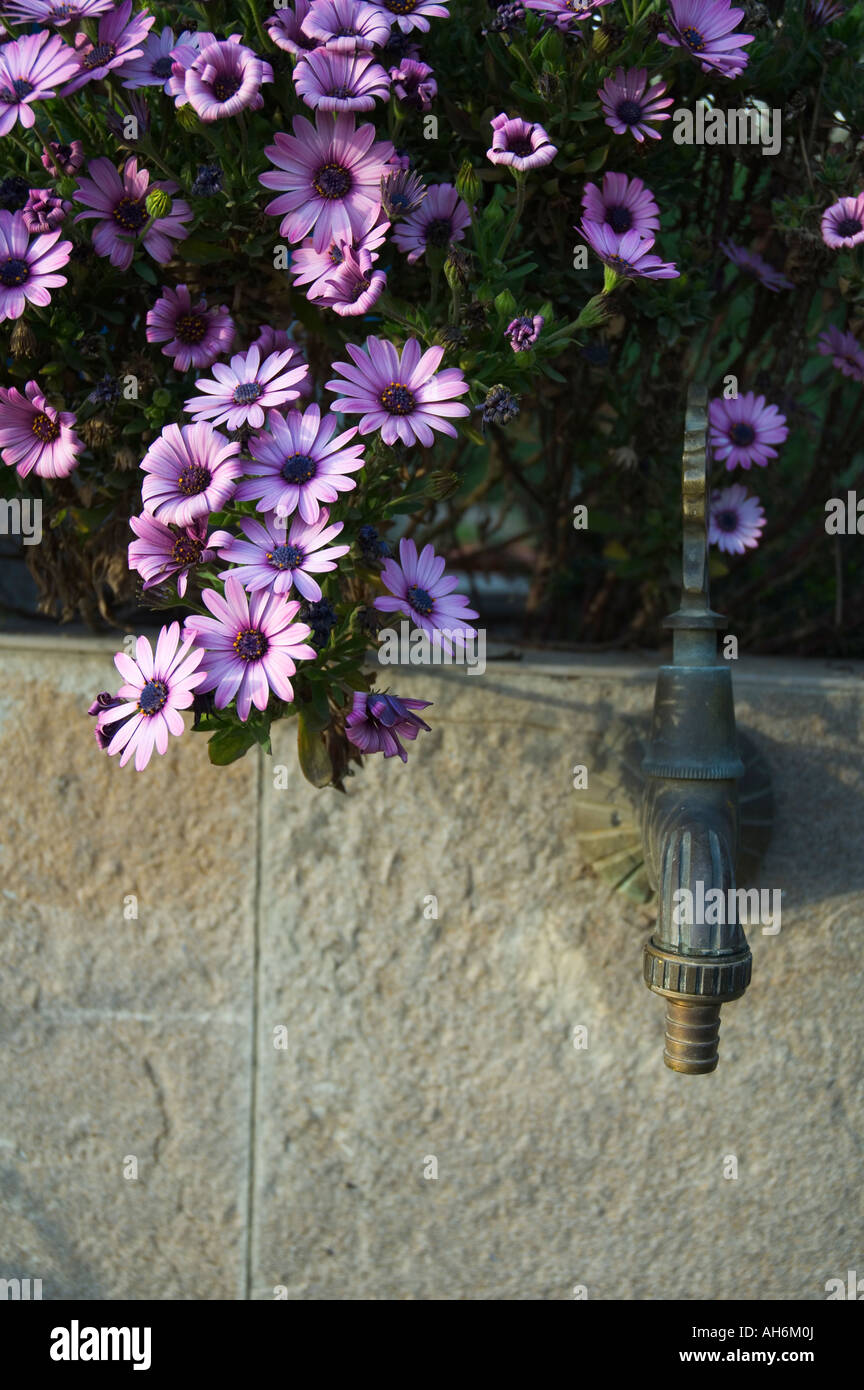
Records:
x=34, y=437
x=565, y=12
x=155, y=67
x=161, y=551
x=441, y=218
x=328, y=80
x=346, y=25
x=285, y=28
x=624, y=205
x=120, y=38
x=193, y=334
x=28, y=270
x=241, y=392
x=819, y=13
x=414, y=84
x=44, y=212
x=735, y=520
x=845, y=352
x=55, y=12
x=629, y=103
x=523, y=332
x=270, y=559
x=753, y=264
x=316, y=268
x=157, y=687
x=31, y=68
x=377, y=721
x=354, y=286
x=413, y=14
x=63, y=159
x=402, y=192
x=329, y=177
x=742, y=431
x=250, y=647
x=520, y=144
x=704, y=28
x=190, y=472
x=225, y=77
x=119, y=205
x=628, y=255
x=402, y=395
x=843, y=223
x=299, y=464
x=420, y=589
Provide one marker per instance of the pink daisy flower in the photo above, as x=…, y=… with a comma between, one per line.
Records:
x=704, y=29
x=238, y=394
x=250, y=646
x=119, y=205
x=285, y=28
x=354, y=287
x=735, y=520
x=225, y=77
x=55, y=12
x=155, y=67
x=440, y=219
x=742, y=431
x=328, y=80
x=623, y=205
x=520, y=144
x=299, y=464
x=630, y=104
x=34, y=437
x=565, y=13
x=163, y=552
x=316, y=268
x=845, y=352
x=346, y=25
x=270, y=559
x=120, y=38
x=193, y=334
x=28, y=269
x=420, y=589
x=156, y=688
x=628, y=255
x=377, y=721
x=843, y=223
x=190, y=472
x=413, y=14
x=31, y=68
x=402, y=395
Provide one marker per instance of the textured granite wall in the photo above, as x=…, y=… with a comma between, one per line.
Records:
x=286, y=1044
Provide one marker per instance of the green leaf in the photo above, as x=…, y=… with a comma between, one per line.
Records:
x=202, y=252
x=145, y=271
x=312, y=752
x=596, y=159
x=230, y=743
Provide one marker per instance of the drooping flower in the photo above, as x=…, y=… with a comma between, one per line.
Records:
x=119, y=205
x=413, y=14
x=845, y=352
x=743, y=431
x=735, y=520
x=402, y=395
x=163, y=552
x=193, y=334
x=346, y=25
x=28, y=269
x=623, y=205
x=45, y=212
x=269, y=558
x=250, y=646
x=705, y=30
x=63, y=159
x=190, y=472
x=565, y=13
x=523, y=332
x=155, y=67
x=328, y=177
x=316, y=268
x=414, y=84
x=630, y=104
x=378, y=720
x=34, y=437
x=420, y=589
x=156, y=688
x=354, y=286
x=299, y=464
x=628, y=255
x=402, y=192
x=240, y=392
x=328, y=80
x=120, y=39
x=224, y=78
x=55, y=12
x=843, y=223
x=441, y=218
x=285, y=28
x=499, y=407
x=31, y=69
x=520, y=144
x=753, y=264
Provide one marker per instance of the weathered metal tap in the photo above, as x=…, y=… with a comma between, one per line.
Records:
x=690, y=818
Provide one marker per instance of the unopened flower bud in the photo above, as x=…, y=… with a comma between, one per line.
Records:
x=158, y=203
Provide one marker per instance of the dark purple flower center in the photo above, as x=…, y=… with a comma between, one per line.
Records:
x=439, y=231
x=99, y=55
x=398, y=399
x=693, y=39
x=247, y=392
x=250, y=644
x=629, y=112
x=726, y=521
x=14, y=272
x=850, y=226
x=520, y=145
x=130, y=214
x=401, y=6
x=162, y=68
x=420, y=600
x=742, y=434
x=191, y=328
x=286, y=557
x=153, y=697
x=332, y=181
x=335, y=254
x=299, y=468
x=341, y=93
x=619, y=219
x=20, y=88
x=194, y=480
x=225, y=85
x=618, y=263
x=187, y=550
x=45, y=429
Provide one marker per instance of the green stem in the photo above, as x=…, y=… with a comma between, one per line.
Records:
x=521, y=189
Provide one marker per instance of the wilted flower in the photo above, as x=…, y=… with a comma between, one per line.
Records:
x=753, y=264
x=819, y=13
x=743, y=430
x=208, y=181
x=322, y=618
x=845, y=352
x=735, y=520
x=377, y=721
x=402, y=192
x=372, y=548
x=65, y=159
x=500, y=406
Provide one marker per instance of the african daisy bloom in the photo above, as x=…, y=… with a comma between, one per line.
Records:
x=819, y=13
x=250, y=646
x=156, y=688
x=162, y=552
x=441, y=218
x=520, y=144
x=402, y=395
x=753, y=264
x=63, y=159
x=377, y=721
x=565, y=12
x=623, y=205
x=354, y=286
x=330, y=81
x=420, y=589
x=120, y=38
x=193, y=334
x=271, y=559
x=628, y=255
x=743, y=431
x=413, y=14
x=414, y=84
x=55, y=12
x=843, y=223
x=316, y=268
x=28, y=269
x=190, y=472
x=704, y=28
x=225, y=77
x=44, y=212
x=402, y=192
x=155, y=67
x=845, y=352
x=735, y=520
x=523, y=332
x=239, y=393
x=346, y=25
x=34, y=437
x=630, y=104
x=285, y=28
x=31, y=68
x=119, y=205
x=300, y=463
